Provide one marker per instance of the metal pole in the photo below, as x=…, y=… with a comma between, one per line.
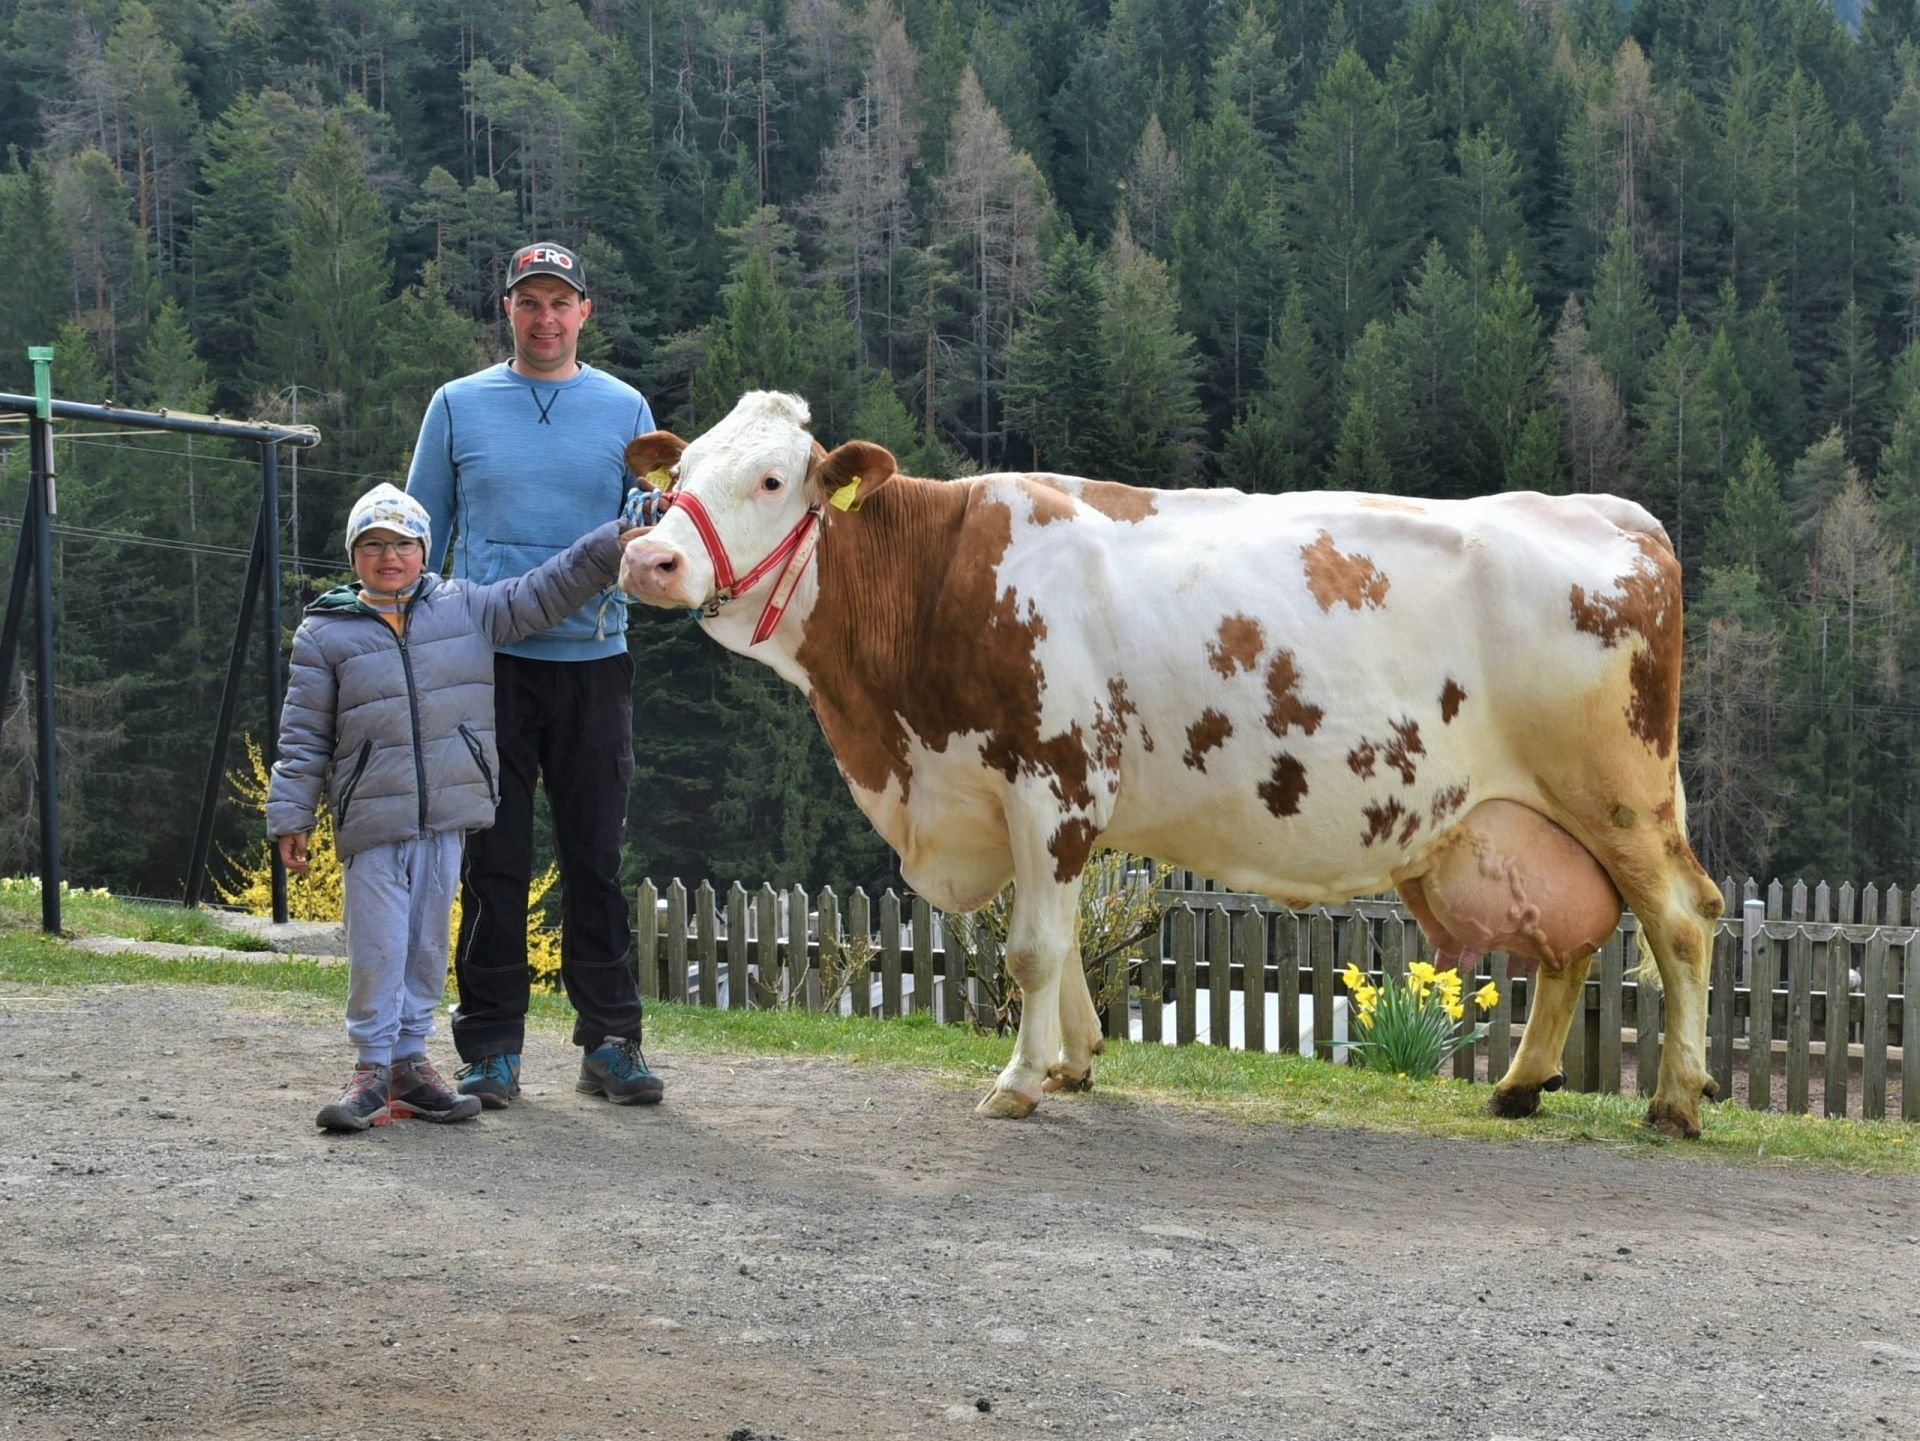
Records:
x=276, y=686
x=223, y=726
x=16, y=602
x=40, y=507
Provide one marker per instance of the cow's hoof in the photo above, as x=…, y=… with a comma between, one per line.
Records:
x=1514, y=1104
x=1709, y=1089
x=1556, y=1082
x=1059, y=1078
x=1669, y=1120
x=1004, y=1105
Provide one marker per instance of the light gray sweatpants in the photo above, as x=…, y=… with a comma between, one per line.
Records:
x=399, y=900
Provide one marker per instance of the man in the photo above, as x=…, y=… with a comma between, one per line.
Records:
x=514, y=463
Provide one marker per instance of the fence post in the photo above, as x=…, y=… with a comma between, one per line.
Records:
x=1250, y=950
x=1839, y=1007
x=1185, y=928
x=860, y=935
x=764, y=979
x=1799, y=1020
x=1873, y=1028
x=1286, y=958
x=801, y=988
x=736, y=947
x=676, y=939
x=922, y=955
x=706, y=946
x=818, y=994
x=1153, y=989
x=1720, y=1027
x=646, y=940
x=1762, y=963
x=1910, y=1028
x=889, y=953
x=1500, y=1025
x=1612, y=1002
x=1320, y=928
x=1219, y=978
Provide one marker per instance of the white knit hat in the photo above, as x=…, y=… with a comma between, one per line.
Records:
x=387, y=507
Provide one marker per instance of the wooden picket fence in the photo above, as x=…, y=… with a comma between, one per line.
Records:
x=1807, y=1012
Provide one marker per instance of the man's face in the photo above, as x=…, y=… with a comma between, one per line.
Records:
x=546, y=315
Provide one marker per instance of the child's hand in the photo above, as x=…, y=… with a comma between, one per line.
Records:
x=293, y=852
x=643, y=508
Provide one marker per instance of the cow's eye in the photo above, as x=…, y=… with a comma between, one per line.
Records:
x=770, y=482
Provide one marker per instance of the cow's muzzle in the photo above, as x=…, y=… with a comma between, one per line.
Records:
x=657, y=573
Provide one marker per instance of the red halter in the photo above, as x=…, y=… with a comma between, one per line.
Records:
x=793, y=552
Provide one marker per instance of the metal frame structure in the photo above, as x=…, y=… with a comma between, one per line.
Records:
x=34, y=561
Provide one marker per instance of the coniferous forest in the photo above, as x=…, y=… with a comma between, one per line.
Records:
x=1669, y=249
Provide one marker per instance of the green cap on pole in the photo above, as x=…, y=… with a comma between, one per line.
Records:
x=42, y=358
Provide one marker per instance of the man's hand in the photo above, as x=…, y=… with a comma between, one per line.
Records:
x=293, y=852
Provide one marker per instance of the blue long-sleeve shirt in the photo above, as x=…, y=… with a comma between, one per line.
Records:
x=513, y=470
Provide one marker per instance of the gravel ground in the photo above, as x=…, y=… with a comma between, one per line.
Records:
x=792, y=1249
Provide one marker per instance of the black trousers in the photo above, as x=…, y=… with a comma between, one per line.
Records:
x=569, y=723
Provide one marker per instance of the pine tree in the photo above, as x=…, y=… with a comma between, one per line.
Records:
x=32, y=234
x=1594, y=439
x=1851, y=384
x=1057, y=386
x=1432, y=335
x=1754, y=530
x=1347, y=208
x=1506, y=382
x=1676, y=457
x=1377, y=448
x=1767, y=370
x=1622, y=322
x=1151, y=401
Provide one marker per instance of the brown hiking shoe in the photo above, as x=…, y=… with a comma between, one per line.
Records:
x=419, y=1091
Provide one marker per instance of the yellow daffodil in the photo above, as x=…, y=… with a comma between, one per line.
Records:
x=1455, y=1010
x=1354, y=977
x=1487, y=997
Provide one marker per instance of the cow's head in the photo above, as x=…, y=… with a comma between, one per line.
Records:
x=756, y=474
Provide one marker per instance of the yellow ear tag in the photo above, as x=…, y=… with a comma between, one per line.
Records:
x=847, y=497
x=661, y=479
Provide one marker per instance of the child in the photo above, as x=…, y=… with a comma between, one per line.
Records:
x=391, y=693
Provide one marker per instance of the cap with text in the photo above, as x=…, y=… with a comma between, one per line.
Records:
x=545, y=258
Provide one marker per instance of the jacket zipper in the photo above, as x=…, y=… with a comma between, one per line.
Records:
x=480, y=759
x=413, y=711
x=359, y=770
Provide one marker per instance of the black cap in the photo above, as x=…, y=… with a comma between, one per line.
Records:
x=545, y=258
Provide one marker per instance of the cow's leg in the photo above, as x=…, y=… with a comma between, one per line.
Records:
x=1080, y=1037
x=1679, y=930
x=1537, y=1064
x=1677, y=904
x=1040, y=942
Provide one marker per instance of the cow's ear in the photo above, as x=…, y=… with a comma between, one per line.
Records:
x=849, y=475
x=657, y=450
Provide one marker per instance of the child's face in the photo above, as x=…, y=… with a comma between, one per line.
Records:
x=386, y=560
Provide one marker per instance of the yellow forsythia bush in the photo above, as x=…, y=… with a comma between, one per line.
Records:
x=320, y=895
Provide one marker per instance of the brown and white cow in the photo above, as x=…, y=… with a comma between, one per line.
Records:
x=1312, y=696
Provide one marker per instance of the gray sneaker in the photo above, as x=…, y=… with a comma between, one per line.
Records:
x=617, y=1069
x=364, y=1103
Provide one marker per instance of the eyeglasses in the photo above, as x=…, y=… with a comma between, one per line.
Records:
x=382, y=548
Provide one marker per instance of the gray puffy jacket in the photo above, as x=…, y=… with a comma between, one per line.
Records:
x=405, y=722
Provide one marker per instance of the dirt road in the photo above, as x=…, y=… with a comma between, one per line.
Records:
x=798, y=1249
